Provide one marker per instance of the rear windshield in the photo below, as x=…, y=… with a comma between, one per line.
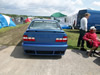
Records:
x=44, y=25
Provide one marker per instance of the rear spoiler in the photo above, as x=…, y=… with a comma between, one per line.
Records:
x=55, y=31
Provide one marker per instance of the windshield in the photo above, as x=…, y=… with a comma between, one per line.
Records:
x=44, y=25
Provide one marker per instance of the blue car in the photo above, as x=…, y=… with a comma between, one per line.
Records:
x=44, y=37
x=65, y=27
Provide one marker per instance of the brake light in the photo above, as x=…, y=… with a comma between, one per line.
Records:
x=64, y=39
x=26, y=38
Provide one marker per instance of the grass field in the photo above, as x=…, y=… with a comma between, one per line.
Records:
x=9, y=28
x=73, y=38
x=13, y=36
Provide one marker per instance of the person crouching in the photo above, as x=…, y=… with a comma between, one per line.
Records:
x=91, y=36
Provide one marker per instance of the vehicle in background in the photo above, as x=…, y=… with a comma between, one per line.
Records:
x=44, y=37
x=64, y=26
x=94, y=19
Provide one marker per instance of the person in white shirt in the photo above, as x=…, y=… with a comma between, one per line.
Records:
x=83, y=30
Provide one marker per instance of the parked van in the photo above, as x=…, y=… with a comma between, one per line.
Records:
x=94, y=19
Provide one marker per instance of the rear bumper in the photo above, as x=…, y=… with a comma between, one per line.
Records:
x=34, y=49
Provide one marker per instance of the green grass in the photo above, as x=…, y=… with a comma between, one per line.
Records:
x=73, y=38
x=9, y=28
x=72, y=35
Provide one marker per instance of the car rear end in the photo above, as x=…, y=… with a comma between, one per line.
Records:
x=44, y=37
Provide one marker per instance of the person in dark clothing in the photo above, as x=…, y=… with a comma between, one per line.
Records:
x=83, y=30
x=21, y=19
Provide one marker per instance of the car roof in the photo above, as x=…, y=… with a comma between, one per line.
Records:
x=45, y=20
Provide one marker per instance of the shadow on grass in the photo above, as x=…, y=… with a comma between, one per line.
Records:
x=72, y=47
x=18, y=52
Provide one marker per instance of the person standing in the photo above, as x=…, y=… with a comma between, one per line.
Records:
x=83, y=30
x=21, y=19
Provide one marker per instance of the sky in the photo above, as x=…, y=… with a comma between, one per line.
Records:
x=46, y=7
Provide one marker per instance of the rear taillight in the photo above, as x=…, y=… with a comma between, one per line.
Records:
x=64, y=39
x=26, y=38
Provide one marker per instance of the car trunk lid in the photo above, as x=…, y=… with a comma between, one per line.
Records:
x=45, y=36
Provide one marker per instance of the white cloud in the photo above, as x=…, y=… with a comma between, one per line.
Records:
x=77, y=2
x=96, y=3
x=39, y=7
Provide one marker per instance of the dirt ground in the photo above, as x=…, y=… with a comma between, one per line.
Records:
x=13, y=36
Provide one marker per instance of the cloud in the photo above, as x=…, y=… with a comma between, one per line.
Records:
x=39, y=7
x=96, y=3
